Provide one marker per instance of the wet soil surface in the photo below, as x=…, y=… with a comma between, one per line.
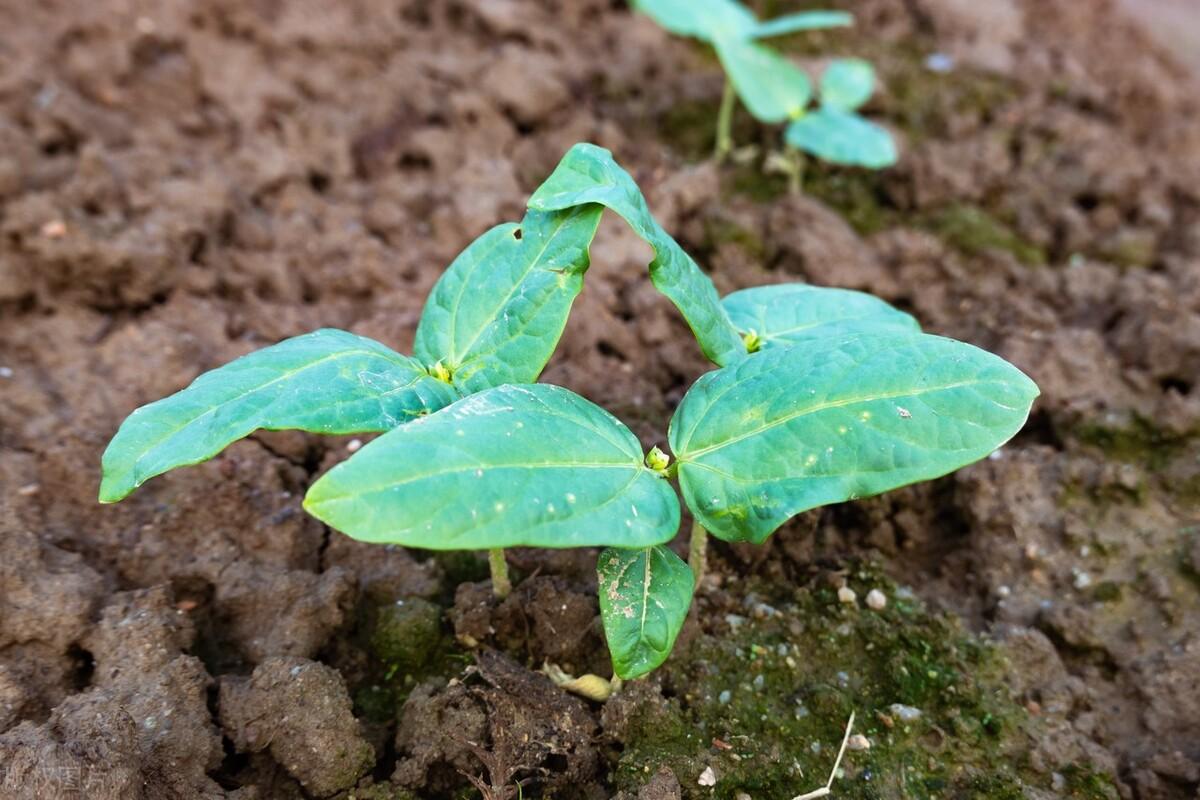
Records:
x=183, y=183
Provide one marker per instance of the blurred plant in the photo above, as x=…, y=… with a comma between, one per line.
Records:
x=775, y=90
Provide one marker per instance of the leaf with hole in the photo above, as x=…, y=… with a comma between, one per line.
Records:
x=329, y=381
x=841, y=137
x=644, y=599
x=793, y=428
x=531, y=466
x=497, y=313
x=589, y=174
x=790, y=313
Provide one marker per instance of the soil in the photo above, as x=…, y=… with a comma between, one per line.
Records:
x=183, y=183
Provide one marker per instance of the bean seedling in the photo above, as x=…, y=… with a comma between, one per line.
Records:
x=820, y=395
x=774, y=89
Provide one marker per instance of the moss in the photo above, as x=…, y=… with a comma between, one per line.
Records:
x=1085, y=783
x=407, y=634
x=406, y=644
x=723, y=231
x=690, y=128
x=1134, y=440
x=973, y=231
x=775, y=694
x=379, y=791
x=460, y=566
x=1131, y=248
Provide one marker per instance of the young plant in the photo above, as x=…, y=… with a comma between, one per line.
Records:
x=821, y=395
x=775, y=90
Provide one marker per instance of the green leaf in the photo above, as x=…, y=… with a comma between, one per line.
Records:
x=793, y=428
x=589, y=174
x=841, y=137
x=496, y=315
x=847, y=83
x=702, y=19
x=513, y=466
x=328, y=381
x=788, y=313
x=644, y=599
x=802, y=21
x=773, y=88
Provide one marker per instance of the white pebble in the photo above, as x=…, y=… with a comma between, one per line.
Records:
x=847, y=595
x=876, y=600
x=708, y=777
x=353, y=445
x=904, y=713
x=1082, y=580
x=858, y=742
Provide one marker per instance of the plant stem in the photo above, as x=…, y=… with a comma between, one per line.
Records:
x=796, y=179
x=501, y=585
x=725, y=122
x=698, y=551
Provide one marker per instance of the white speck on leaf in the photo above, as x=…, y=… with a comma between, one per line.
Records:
x=903, y=412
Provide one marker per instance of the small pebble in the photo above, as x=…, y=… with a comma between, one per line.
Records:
x=28, y=490
x=1003, y=591
x=1082, y=580
x=743, y=796
x=353, y=445
x=6, y=372
x=759, y=681
x=847, y=595
x=876, y=600
x=708, y=777
x=940, y=62
x=905, y=713
x=724, y=697
x=54, y=229
x=858, y=742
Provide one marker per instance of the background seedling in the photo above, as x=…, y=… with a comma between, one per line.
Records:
x=821, y=395
x=774, y=90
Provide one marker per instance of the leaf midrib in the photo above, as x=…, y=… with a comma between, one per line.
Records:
x=824, y=407
x=148, y=449
x=637, y=468
x=561, y=222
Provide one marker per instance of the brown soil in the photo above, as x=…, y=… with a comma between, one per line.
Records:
x=182, y=183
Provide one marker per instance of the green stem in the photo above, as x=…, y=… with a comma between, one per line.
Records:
x=698, y=551
x=796, y=179
x=725, y=122
x=501, y=585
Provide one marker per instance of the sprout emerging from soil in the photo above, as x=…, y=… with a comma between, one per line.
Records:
x=819, y=396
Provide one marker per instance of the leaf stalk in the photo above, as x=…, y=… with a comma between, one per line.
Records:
x=501, y=585
x=698, y=551
x=725, y=122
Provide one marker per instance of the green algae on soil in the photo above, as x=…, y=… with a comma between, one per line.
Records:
x=765, y=705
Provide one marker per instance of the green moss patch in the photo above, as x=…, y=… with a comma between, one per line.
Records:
x=765, y=705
